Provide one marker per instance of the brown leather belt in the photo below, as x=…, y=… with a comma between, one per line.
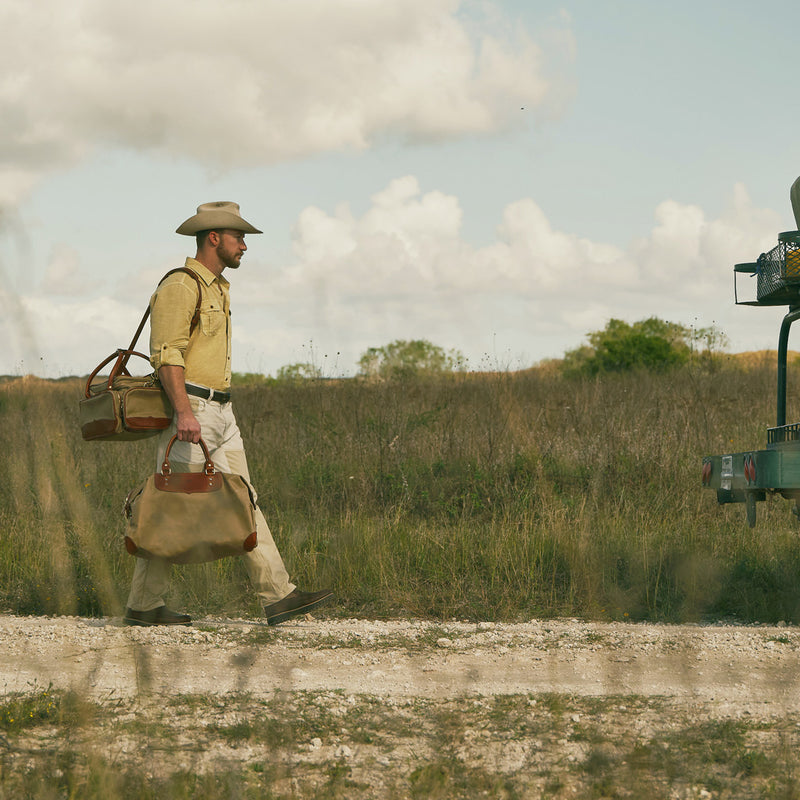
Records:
x=208, y=394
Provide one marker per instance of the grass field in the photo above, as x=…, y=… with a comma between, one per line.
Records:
x=471, y=496
x=496, y=496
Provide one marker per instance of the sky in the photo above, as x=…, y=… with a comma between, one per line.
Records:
x=500, y=178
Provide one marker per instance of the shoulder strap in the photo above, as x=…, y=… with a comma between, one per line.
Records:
x=195, y=316
x=120, y=367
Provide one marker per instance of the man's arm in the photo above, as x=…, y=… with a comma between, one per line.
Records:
x=172, y=379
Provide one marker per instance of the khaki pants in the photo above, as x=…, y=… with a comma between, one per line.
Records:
x=264, y=565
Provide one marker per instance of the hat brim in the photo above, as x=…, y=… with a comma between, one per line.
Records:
x=213, y=220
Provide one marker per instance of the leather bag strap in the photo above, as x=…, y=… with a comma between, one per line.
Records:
x=118, y=354
x=195, y=316
x=210, y=469
x=121, y=364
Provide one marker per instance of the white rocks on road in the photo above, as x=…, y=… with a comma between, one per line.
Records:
x=742, y=669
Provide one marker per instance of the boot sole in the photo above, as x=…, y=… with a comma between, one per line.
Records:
x=284, y=615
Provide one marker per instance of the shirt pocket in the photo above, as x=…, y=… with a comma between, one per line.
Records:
x=212, y=321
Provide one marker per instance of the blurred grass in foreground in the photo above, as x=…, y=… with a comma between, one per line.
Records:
x=504, y=746
x=478, y=496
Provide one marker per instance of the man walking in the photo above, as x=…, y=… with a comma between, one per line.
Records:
x=193, y=362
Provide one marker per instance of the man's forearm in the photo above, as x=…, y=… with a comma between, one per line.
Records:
x=173, y=380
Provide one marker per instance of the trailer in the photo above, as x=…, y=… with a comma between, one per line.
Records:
x=748, y=477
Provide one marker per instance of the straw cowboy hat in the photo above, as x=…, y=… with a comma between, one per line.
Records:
x=215, y=216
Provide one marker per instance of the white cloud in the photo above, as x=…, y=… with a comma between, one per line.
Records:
x=686, y=251
x=53, y=337
x=63, y=275
x=404, y=242
x=402, y=270
x=243, y=82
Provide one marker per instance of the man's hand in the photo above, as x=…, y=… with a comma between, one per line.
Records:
x=188, y=427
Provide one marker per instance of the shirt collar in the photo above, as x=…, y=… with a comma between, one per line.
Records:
x=205, y=273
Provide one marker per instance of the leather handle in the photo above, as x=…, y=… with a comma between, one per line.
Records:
x=119, y=367
x=121, y=364
x=209, y=465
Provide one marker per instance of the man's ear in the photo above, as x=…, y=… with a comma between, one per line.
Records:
x=214, y=238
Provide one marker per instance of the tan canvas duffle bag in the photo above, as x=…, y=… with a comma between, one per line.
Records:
x=191, y=517
x=124, y=407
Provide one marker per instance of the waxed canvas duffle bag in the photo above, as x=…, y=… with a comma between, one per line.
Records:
x=191, y=517
x=124, y=407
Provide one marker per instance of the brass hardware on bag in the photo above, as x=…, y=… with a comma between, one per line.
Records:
x=207, y=481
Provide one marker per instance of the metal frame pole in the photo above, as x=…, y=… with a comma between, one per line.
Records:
x=783, y=349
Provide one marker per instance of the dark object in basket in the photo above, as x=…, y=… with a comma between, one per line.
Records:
x=778, y=272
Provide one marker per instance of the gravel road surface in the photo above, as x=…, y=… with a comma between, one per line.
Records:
x=405, y=708
x=752, y=668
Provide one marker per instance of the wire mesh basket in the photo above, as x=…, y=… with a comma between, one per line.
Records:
x=778, y=272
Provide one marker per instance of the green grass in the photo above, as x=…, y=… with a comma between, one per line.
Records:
x=327, y=745
x=21, y=711
x=486, y=497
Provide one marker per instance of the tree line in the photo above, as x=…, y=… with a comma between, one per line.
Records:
x=649, y=344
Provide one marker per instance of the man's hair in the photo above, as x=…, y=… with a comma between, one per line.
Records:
x=201, y=236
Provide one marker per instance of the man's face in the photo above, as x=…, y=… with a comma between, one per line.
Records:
x=231, y=248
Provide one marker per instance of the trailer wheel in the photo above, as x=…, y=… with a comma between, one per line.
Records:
x=750, y=508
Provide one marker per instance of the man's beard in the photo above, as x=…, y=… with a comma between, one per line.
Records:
x=227, y=259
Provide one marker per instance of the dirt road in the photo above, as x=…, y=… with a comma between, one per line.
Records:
x=733, y=667
x=404, y=708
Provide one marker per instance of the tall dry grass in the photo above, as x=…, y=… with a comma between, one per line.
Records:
x=482, y=496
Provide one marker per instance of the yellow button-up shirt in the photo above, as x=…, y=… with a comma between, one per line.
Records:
x=206, y=354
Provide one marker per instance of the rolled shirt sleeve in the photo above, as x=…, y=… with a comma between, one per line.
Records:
x=171, y=311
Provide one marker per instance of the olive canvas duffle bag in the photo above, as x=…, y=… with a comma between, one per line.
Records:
x=124, y=407
x=191, y=517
